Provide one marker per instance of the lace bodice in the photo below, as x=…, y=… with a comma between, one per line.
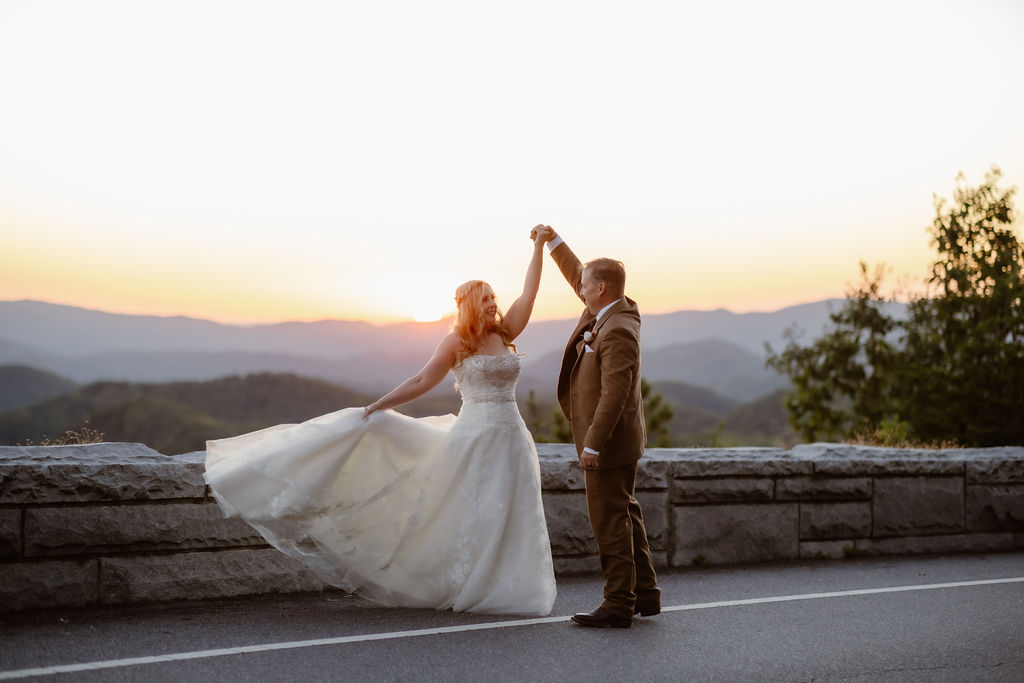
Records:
x=488, y=379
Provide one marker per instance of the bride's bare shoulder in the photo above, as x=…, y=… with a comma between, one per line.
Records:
x=451, y=343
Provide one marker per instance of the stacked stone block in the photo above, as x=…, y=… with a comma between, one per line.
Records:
x=120, y=523
x=111, y=524
x=736, y=505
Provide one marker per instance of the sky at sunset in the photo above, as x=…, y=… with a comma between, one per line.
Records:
x=255, y=162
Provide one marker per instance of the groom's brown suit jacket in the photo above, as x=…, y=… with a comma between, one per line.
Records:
x=599, y=390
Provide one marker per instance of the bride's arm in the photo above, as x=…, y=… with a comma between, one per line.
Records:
x=519, y=312
x=423, y=381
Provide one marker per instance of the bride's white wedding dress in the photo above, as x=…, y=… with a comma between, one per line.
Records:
x=440, y=512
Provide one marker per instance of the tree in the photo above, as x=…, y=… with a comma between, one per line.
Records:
x=535, y=421
x=841, y=382
x=657, y=415
x=561, y=429
x=953, y=369
x=964, y=346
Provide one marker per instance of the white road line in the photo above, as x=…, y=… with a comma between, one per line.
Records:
x=841, y=594
x=267, y=647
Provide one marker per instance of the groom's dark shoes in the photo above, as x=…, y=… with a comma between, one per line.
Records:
x=648, y=602
x=647, y=610
x=601, y=618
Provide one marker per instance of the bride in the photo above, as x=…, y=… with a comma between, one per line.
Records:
x=441, y=512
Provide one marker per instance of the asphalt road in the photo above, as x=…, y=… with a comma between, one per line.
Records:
x=955, y=618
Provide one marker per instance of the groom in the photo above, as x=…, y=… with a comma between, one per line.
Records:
x=599, y=393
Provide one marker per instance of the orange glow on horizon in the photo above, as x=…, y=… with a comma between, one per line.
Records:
x=229, y=184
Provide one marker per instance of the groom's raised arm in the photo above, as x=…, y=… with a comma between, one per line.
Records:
x=567, y=262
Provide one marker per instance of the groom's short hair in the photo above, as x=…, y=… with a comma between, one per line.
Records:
x=609, y=271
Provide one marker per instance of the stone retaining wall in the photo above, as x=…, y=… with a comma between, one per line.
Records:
x=120, y=523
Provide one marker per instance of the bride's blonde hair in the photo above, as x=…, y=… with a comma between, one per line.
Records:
x=472, y=323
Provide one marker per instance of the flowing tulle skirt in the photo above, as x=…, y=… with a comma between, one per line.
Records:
x=439, y=512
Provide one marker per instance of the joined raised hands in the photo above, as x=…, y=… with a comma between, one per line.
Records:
x=541, y=234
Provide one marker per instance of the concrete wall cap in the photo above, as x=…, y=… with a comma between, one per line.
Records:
x=83, y=454
x=822, y=451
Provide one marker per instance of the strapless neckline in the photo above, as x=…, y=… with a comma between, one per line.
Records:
x=488, y=378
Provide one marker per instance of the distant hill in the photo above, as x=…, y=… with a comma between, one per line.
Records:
x=540, y=373
x=21, y=385
x=726, y=369
x=164, y=425
x=61, y=330
x=179, y=416
x=765, y=417
x=731, y=372
x=702, y=418
x=692, y=395
x=695, y=410
x=87, y=346
x=371, y=373
x=71, y=331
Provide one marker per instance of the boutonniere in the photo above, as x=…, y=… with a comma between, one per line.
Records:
x=588, y=336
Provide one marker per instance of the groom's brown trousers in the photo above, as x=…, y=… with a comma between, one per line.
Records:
x=621, y=536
